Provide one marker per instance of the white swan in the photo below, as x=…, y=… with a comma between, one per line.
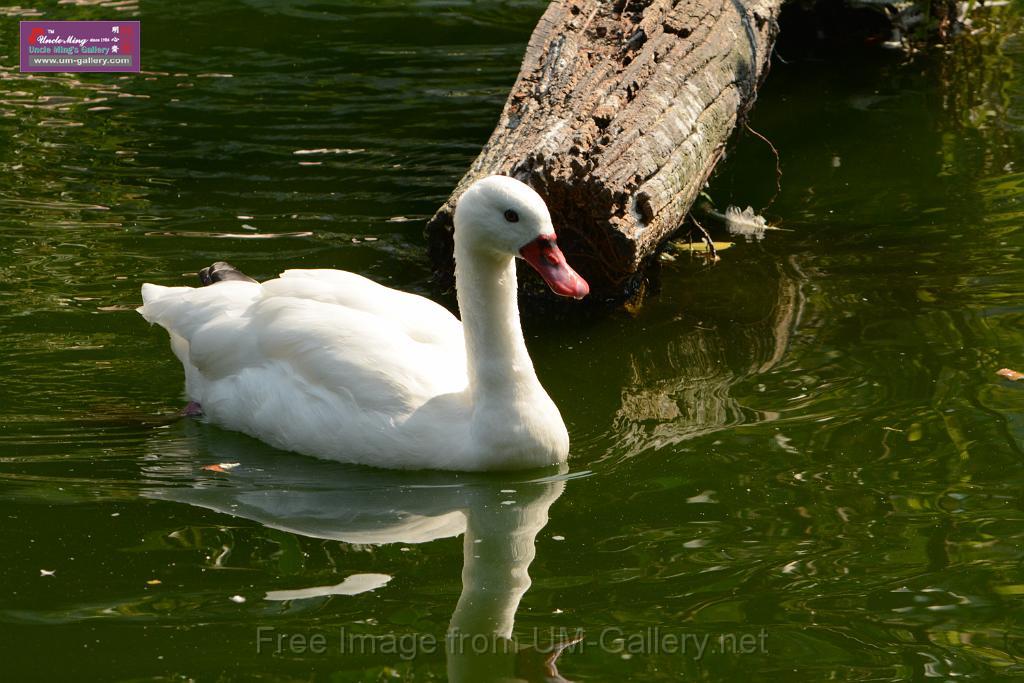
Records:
x=330, y=364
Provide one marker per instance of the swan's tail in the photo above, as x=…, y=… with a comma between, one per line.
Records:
x=183, y=310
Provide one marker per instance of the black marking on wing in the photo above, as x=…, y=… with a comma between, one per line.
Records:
x=221, y=271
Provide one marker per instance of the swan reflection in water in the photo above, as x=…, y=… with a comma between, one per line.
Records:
x=499, y=516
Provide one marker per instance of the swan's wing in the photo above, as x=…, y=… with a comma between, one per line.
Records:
x=359, y=356
x=419, y=317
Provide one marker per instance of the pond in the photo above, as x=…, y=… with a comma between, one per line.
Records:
x=796, y=464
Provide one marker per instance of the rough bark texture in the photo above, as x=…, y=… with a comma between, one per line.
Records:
x=618, y=116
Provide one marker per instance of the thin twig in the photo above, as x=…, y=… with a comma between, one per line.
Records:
x=778, y=167
x=707, y=239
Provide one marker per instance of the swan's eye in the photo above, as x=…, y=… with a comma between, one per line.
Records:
x=511, y=216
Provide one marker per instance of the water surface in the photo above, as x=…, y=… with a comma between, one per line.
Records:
x=804, y=448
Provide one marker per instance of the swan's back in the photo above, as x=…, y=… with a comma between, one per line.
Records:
x=322, y=362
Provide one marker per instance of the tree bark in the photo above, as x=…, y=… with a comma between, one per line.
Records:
x=618, y=116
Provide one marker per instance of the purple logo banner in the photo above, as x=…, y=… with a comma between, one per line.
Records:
x=81, y=46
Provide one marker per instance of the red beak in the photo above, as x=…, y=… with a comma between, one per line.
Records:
x=548, y=260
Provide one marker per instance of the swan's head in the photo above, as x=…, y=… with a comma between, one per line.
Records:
x=504, y=217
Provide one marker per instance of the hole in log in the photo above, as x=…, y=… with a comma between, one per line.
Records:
x=642, y=210
x=680, y=31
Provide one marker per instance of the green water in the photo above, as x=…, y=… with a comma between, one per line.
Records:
x=800, y=457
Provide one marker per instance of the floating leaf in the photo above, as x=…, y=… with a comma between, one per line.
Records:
x=698, y=247
x=1011, y=375
x=915, y=432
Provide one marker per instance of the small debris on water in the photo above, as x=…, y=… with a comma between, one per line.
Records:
x=221, y=467
x=746, y=223
x=328, y=150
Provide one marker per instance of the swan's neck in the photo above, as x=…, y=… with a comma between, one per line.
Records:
x=499, y=364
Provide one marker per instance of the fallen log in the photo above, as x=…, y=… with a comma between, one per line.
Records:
x=618, y=116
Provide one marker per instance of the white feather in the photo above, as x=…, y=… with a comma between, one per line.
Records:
x=745, y=222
